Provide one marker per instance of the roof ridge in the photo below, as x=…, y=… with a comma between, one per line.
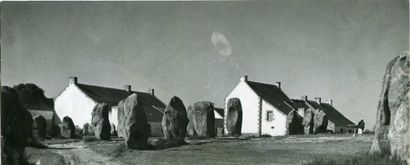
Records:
x=112, y=88
x=100, y=86
x=263, y=83
x=273, y=95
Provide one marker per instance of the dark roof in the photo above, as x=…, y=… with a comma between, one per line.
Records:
x=332, y=113
x=315, y=105
x=154, y=108
x=335, y=116
x=152, y=105
x=34, y=103
x=299, y=104
x=220, y=111
x=273, y=95
x=104, y=94
x=32, y=97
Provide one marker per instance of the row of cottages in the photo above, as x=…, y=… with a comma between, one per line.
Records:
x=337, y=122
x=78, y=100
x=265, y=108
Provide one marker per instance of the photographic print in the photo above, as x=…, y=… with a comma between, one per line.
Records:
x=281, y=82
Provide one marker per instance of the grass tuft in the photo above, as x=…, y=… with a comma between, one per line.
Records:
x=361, y=160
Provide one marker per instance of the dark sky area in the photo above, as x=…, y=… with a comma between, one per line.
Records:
x=199, y=50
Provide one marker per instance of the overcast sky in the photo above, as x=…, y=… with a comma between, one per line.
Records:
x=199, y=50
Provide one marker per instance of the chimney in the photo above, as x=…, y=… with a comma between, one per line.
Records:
x=318, y=99
x=72, y=80
x=278, y=84
x=305, y=97
x=244, y=78
x=151, y=91
x=127, y=88
x=331, y=102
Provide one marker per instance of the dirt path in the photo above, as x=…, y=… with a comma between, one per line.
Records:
x=78, y=154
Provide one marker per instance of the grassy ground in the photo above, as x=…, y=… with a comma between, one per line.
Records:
x=275, y=150
x=358, y=160
x=290, y=150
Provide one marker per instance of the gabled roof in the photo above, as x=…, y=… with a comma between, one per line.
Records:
x=273, y=95
x=104, y=94
x=152, y=105
x=34, y=103
x=32, y=97
x=335, y=116
x=315, y=105
x=332, y=113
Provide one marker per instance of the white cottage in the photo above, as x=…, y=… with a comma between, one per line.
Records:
x=78, y=101
x=264, y=107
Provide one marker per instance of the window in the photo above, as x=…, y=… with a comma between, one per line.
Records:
x=269, y=115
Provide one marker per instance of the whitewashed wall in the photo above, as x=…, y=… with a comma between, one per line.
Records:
x=250, y=107
x=74, y=103
x=113, y=116
x=301, y=112
x=331, y=126
x=276, y=127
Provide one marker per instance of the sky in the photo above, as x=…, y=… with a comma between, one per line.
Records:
x=199, y=50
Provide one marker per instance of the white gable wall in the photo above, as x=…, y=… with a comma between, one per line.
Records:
x=113, y=115
x=72, y=102
x=330, y=126
x=250, y=107
x=276, y=127
x=217, y=116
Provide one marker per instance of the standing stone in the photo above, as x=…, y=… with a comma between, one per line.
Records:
x=308, y=121
x=113, y=131
x=175, y=121
x=202, y=118
x=133, y=122
x=233, y=119
x=56, y=130
x=78, y=132
x=392, y=136
x=100, y=122
x=190, y=128
x=88, y=130
x=360, y=125
x=39, y=127
x=67, y=127
x=294, y=123
x=16, y=127
x=319, y=121
x=121, y=119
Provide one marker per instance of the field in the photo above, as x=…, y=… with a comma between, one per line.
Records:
x=290, y=150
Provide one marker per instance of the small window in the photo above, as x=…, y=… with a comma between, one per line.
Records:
x=269, y=115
